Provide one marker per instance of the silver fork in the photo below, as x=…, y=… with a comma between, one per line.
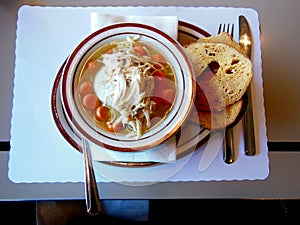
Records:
x=228, y=153
x=229, y=28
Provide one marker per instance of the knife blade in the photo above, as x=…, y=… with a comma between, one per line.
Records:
x=245, y=40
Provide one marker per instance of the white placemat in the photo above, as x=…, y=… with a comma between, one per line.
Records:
x=45, y=37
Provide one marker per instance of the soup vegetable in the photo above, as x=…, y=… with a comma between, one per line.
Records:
x=127, y=87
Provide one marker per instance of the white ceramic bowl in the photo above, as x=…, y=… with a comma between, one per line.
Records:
x=182, y=104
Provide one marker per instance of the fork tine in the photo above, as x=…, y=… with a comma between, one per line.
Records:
x=229, y=29
x=232, y=30
x=220, y=28
x=228, y=26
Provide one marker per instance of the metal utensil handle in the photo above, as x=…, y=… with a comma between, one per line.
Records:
x=250, y=148
x=93, y=203
x=228, y=153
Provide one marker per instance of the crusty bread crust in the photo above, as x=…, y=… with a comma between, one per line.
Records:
x=218, y=119
x=224, y=38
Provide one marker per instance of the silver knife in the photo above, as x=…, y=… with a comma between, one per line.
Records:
x=245, y=40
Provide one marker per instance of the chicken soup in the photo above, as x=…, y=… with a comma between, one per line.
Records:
x=126, y=86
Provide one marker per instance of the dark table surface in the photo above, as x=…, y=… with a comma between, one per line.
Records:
x=72, y=212
x=283, y=125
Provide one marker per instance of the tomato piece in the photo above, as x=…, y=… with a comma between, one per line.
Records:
x=139, y=50
x=164, y=96
x=163, y=83
x=169, y=95
x=102, y=113
x=159, y=101
x=110, y=51
x=85, y=87
x=159, y=58
x=116, y=129
x=159, y=74
x=94, y=65
x=164, y=92
x=158, y=77
x=90, y=101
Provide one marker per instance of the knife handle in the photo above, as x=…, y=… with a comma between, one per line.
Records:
x=228, y=153
x=250, y=148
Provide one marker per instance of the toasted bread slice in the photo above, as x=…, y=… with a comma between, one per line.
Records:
x=235, y=70
x=221, y=119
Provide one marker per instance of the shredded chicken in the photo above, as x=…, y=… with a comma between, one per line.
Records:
x=125, y=84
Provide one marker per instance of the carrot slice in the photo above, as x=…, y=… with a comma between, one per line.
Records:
x=85, y=87
x=90, y=101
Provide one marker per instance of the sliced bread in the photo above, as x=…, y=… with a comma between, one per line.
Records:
x=235, y=70
x=219, y=119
